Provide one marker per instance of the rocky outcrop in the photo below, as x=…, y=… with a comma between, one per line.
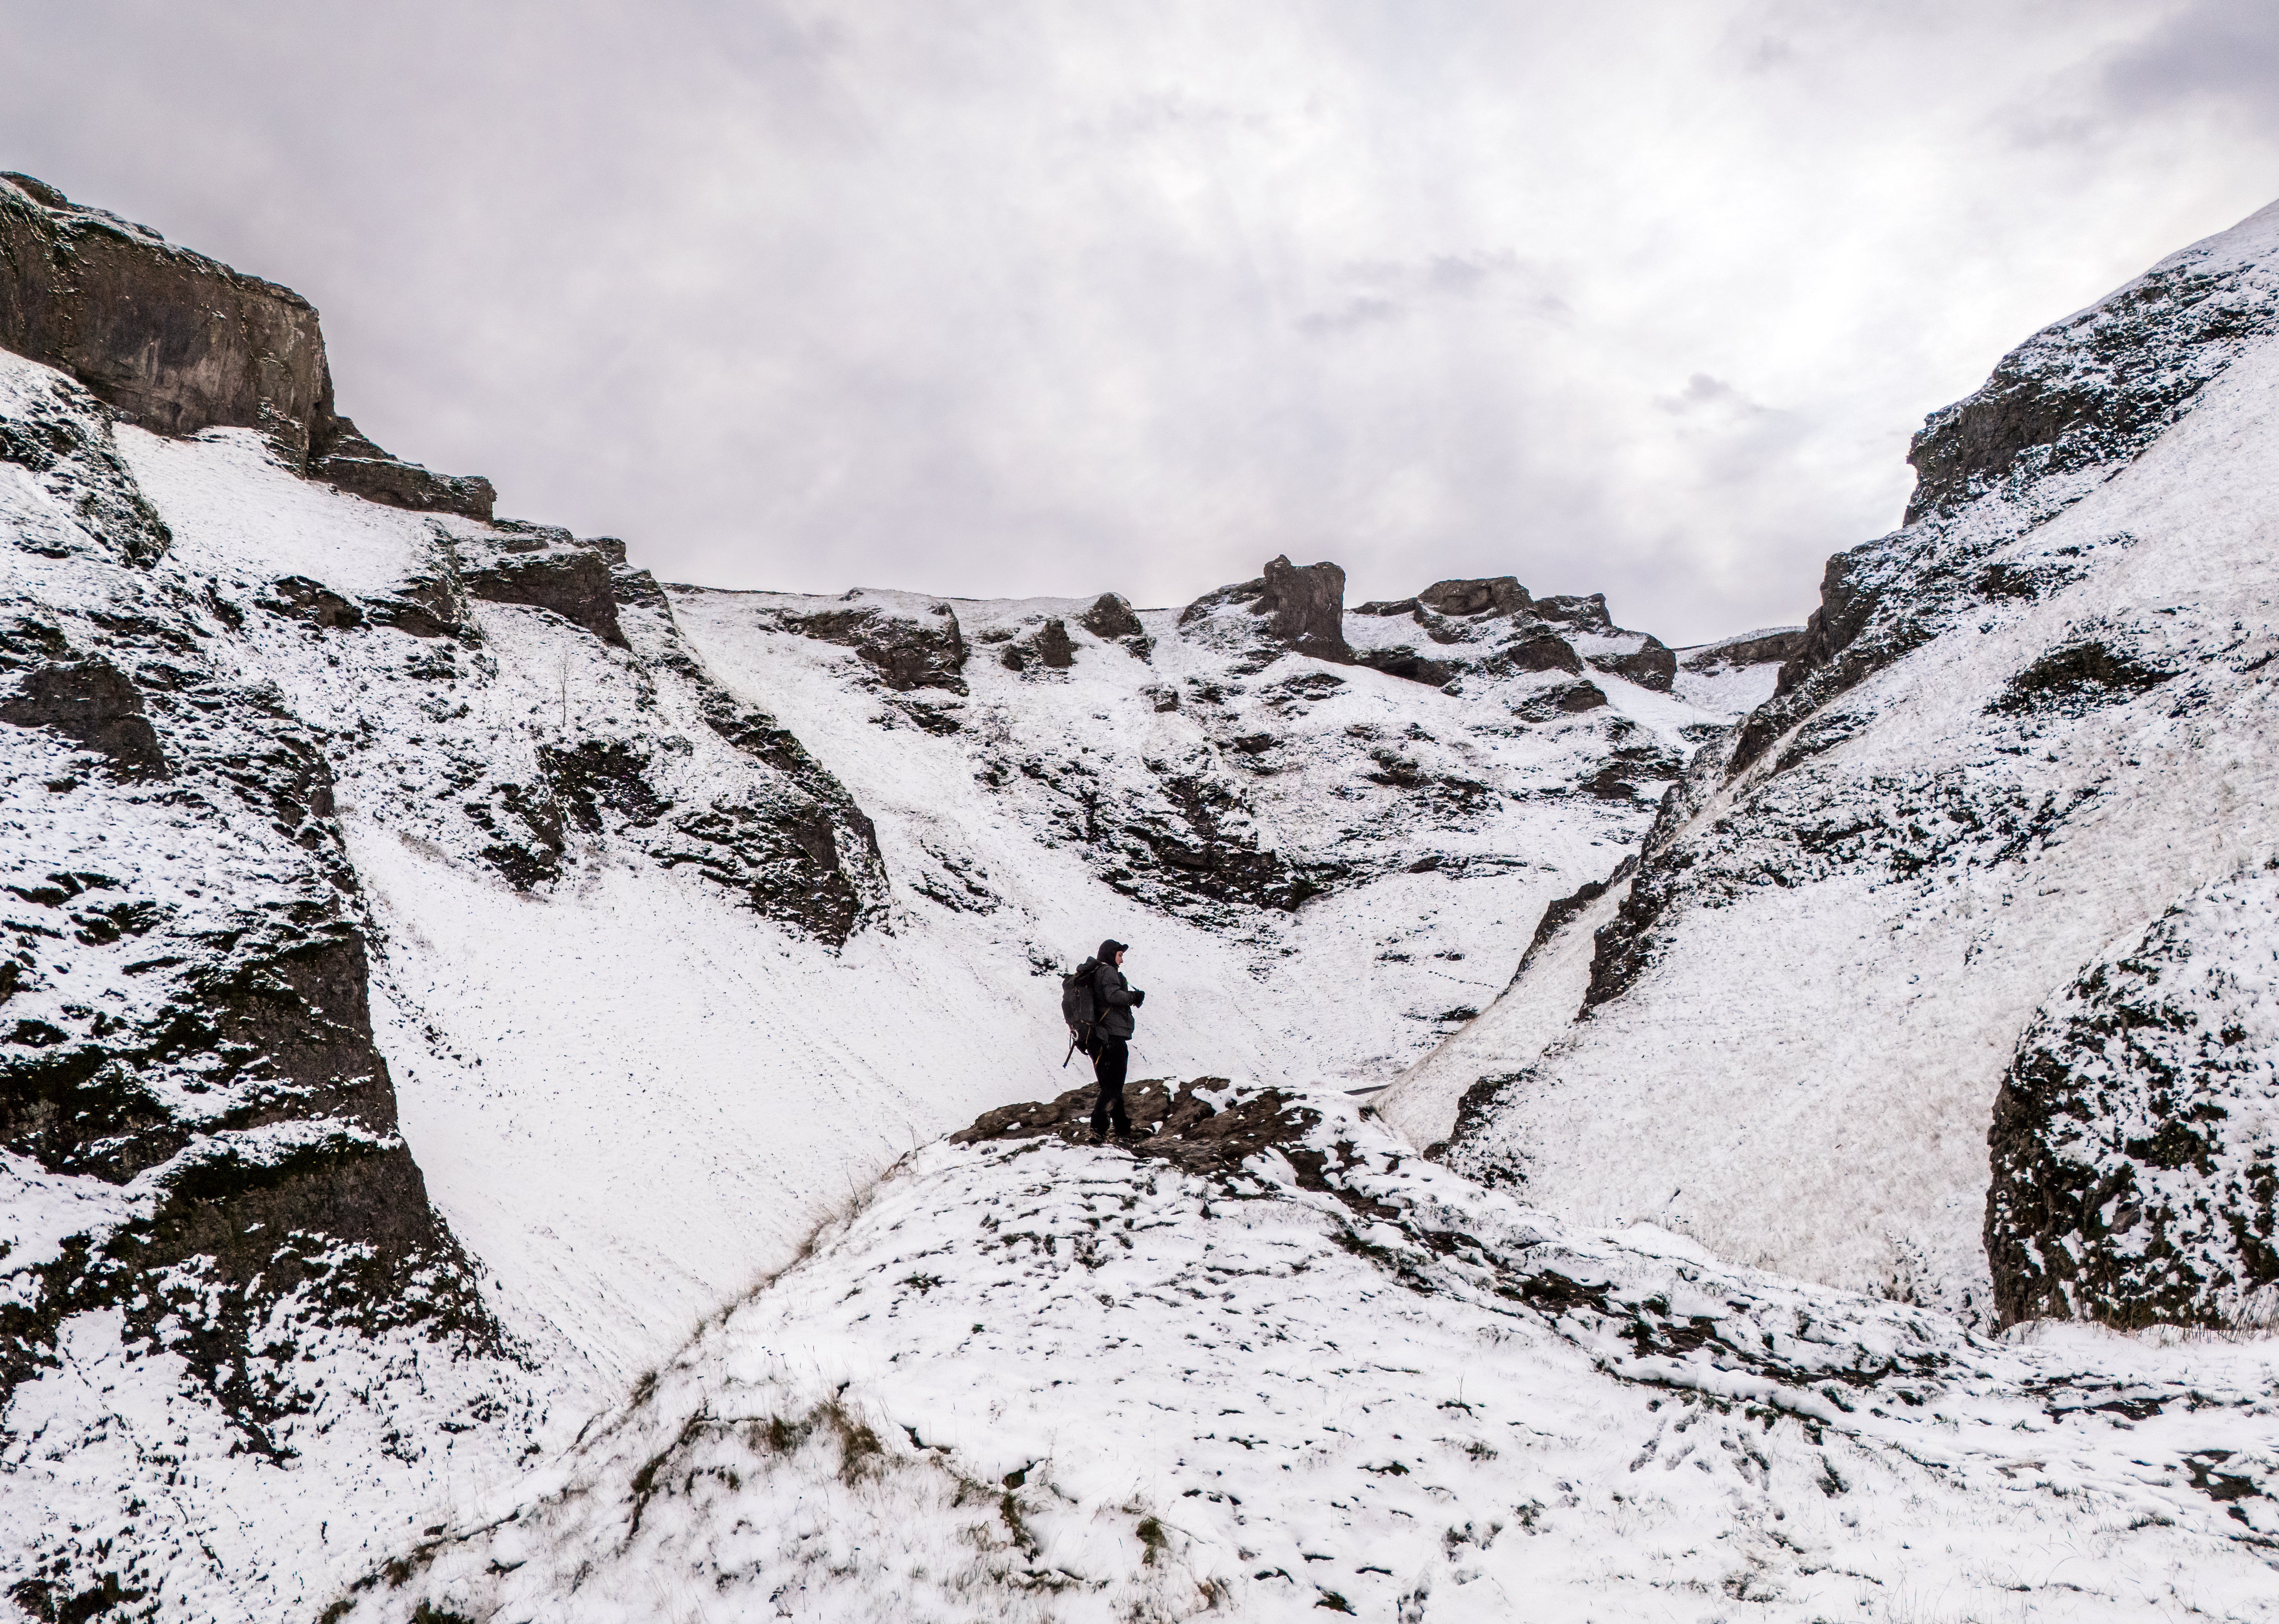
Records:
x=1048, y=646
x=94, y=705
x=355, y=464
x=186, y=1020
x=169, y=340
x=546, y=568
x=1288, y=608
x=175, y=343
x=1110, y=619
x=1492, y=627
x=2135, y=1146
x=908, y=646
x=2093, y=390
x=1776, y=647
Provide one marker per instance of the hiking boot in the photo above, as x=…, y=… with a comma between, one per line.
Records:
x=1100, y=1136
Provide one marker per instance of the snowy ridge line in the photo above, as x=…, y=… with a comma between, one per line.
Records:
x=1032, y=1379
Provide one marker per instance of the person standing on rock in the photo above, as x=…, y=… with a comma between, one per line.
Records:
x=1114, y=999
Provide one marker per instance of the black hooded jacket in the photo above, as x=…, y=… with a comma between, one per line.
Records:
x=1113, y=997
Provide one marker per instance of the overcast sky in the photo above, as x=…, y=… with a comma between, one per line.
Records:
x=1060, y=295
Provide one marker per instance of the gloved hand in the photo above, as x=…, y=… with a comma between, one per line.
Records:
x=1137, y=998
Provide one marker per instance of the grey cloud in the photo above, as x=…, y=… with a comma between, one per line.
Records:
x=2224, y=52
x=1019, y=297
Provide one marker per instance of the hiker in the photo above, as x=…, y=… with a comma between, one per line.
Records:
x=1114, y=999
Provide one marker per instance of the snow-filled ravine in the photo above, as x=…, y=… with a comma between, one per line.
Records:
x=1025, y=1379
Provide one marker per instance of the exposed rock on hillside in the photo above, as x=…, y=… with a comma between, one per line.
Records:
x=2015, y=729
x=2135, y=1139
x=177, y=343
x=205, y=1181
x=345, y=458
x=1288, y=608
x=907, y=646
x=187, y=1061
x=1492, y=627
x=1227, y=775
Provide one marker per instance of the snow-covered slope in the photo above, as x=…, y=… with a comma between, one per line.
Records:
x=2020, y=730
x=1031, y=1381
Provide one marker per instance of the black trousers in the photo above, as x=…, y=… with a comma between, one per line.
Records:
x=1110, y=1057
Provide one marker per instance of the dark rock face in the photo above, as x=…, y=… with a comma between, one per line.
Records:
x=1651, y=666
x=2093, y=390
x=2076, y=677
x=1567, y=699
x=230, y=1067
x=1299, y=609
x=175, y=343
x=1410, y=666
x=1585, y=613
x=94, y=704
x=1305, y=608
x=59, y=436
x=2135, y=1146
x=1521, y=633
x=170, y=339
x=1500, y=595
x=361, y=469
x=547, y=569
x=1053, y=646
x=1782, y=644
x=1536, y=652
x=2063, y=412
x=908, y=651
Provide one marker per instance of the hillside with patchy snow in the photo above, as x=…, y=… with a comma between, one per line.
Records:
x=2019, y=774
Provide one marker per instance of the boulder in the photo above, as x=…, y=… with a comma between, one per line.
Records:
x=1110, y=617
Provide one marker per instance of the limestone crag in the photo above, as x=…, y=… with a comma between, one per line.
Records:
x=1231, y=762
x=178, y=343
x=1287, y=608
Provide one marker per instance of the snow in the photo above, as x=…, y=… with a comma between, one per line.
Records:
x=775, y=1349
x=1027, y=1381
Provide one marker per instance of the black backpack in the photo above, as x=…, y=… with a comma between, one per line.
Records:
x=1079, y=1005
